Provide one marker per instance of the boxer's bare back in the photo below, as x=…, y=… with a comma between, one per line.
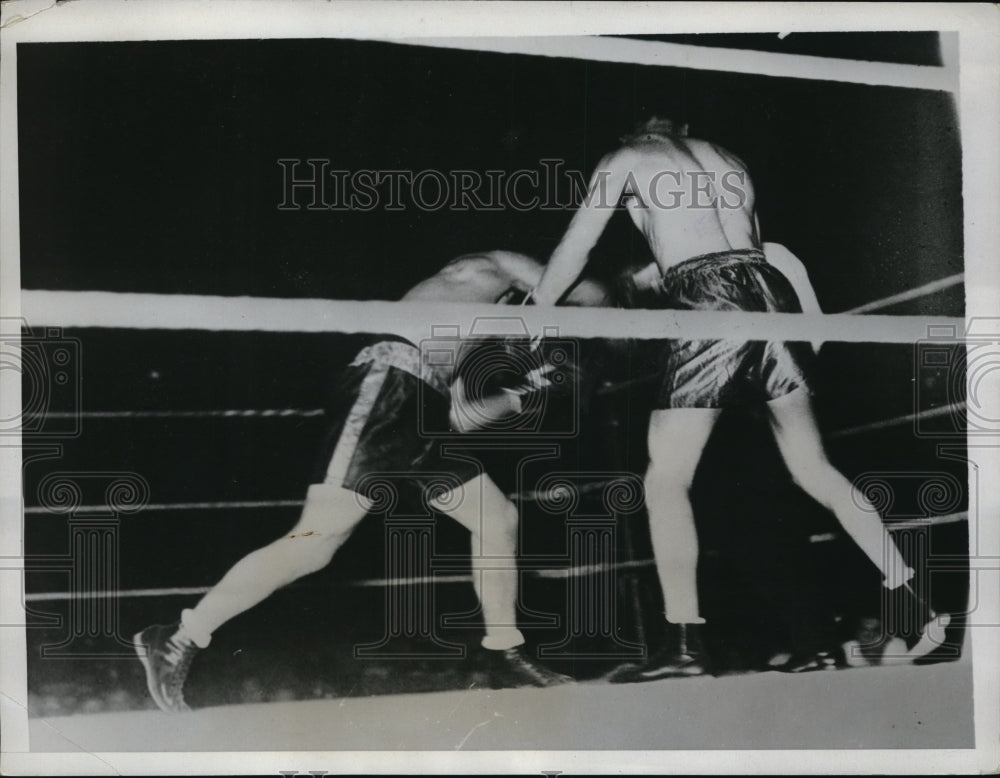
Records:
x=688, y=197
x=473, y=278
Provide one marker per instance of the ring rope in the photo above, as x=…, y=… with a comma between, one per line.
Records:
x=910, y=294
x=612, y=48
x=607, y=388
x=173, y=506
x=418, y=321
x=231, y=413
x=550, y=573
x=42, y=300
x=526, y=496
x=894, y=421
x=305, y=413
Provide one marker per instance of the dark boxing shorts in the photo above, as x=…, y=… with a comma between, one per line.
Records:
x=724, y=373
x=389, y=418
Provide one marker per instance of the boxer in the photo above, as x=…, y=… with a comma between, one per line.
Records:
x=375, y=428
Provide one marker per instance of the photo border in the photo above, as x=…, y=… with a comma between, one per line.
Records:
x=978, y=66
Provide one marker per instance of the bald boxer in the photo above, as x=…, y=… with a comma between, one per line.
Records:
x=693, y=202
x=388, y=397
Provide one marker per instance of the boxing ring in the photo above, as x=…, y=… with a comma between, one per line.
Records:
x=587, y=717
x=100, y=515
x=106, y=310
x=507, y=723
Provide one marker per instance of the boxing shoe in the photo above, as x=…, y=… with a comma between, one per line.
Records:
x=908, y=630
x=512, y=668
x=913, y=627
x=166, y=654
x=682, y=656
x=911, y=618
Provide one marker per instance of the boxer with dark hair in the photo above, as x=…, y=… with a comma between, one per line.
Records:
x=693, y=201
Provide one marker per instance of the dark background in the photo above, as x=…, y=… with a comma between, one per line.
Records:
x=152, y=167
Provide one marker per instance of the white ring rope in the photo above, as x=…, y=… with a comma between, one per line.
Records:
x=251, y=413
x=550, y=573
x=231, y=413
x=668, y=54
x=910, y=294
x=172, y=506
x=930, y=413
x=419, y=322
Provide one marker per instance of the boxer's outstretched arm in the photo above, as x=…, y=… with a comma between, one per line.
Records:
x=570, y=257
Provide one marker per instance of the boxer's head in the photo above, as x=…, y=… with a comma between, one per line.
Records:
x=655, y=127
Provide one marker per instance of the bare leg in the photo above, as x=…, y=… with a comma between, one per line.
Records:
x=328, y=517
x=801, y=447
x=486, y=512
x=676, y=439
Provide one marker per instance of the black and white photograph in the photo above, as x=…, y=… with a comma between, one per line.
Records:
x=433, y=387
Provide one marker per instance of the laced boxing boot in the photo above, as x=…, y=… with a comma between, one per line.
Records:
x=682, y=656
x=512, y=667
x=166, y=654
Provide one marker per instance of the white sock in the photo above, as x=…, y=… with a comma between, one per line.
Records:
x=503, y=638
x=194, y=631
x=686, y=620
x=895, y=578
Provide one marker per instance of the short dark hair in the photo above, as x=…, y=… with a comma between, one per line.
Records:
x=654, y=127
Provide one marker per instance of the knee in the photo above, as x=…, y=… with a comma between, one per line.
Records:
x=327, y=520
x=509, y=518
x=505, y=520
x=497, y=529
